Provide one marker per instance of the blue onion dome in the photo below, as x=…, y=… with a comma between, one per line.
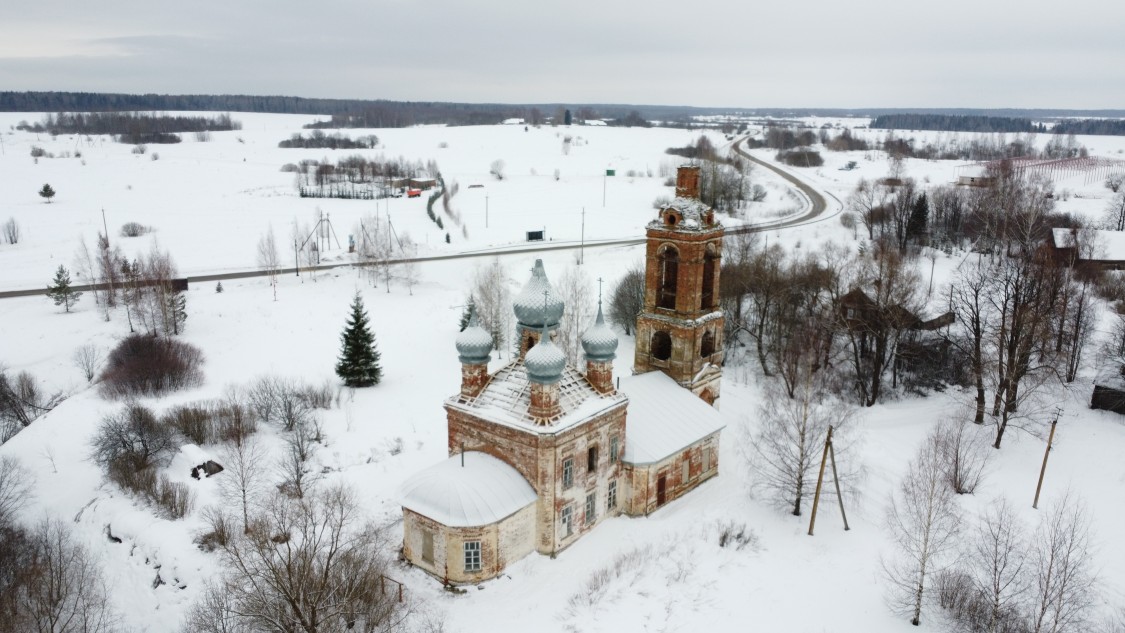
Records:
x=474, y=344
x=545, y=361
x=530, y=307
x=599, y=342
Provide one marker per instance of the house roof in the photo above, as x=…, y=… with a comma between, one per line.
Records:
x=1106, y=245
x=482, y=492
x=663, y=418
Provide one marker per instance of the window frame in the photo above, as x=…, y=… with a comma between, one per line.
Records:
x=472, y=551
x=427, y=539
x=611, y=496
x=592, y=458
x=566, y=517
x=591, y=515
x=614, y=453
x=568, y=473
x=685, y=472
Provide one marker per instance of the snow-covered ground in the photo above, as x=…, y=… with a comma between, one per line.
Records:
x=209, y=203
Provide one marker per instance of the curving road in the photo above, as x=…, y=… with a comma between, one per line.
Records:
x=817, y=206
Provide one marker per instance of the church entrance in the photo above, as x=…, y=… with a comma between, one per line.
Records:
x=661, y=491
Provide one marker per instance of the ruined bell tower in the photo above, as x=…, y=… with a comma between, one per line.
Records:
x=680, y=330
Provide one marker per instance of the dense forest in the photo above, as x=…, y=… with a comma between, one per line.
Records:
x=991, y=124
x=954, y=123
x=132, y=127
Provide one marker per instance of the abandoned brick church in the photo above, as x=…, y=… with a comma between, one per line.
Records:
x=542, y=452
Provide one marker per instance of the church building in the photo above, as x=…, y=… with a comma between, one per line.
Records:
x=541, y=452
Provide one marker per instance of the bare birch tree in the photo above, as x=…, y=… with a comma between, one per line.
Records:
x=573, y=287
x=88, y=358
x=66, y=590
x=269, y=259
x=244, y=477
x=924, y=522
x=1063, y=557
x=493, y=296
x=998, y=566
x=16, y=488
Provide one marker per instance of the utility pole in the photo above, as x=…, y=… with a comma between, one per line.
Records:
x=486, y=210
x=1046, y=453
x=582, y=242
x=106, y=227
x=820, y=480
x=605, y=177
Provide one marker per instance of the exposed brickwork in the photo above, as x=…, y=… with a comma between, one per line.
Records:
x=500, y=544
x=645, y=478
x=544, y=402
x=687, y=182
x=600, y=375
x=473, y=379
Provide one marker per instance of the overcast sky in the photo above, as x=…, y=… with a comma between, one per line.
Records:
x=738, y=53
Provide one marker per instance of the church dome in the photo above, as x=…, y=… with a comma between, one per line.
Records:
x=599, y=342
x=474, y=344
x=545, y=361
x=530, y=306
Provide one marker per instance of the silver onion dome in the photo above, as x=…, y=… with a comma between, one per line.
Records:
x=474, y=344
x=530, y=307
x=599, y=342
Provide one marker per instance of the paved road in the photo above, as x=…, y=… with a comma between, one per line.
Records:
x=817, y=206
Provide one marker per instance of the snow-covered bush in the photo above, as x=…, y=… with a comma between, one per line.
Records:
x=134, y=229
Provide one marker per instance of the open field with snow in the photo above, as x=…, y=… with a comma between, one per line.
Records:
x=210, y=202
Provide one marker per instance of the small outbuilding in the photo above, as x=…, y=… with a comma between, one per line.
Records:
x=1109, y=389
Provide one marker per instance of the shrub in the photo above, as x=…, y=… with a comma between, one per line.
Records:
x=133, y=437
x=194, y=421
x=175, y=497
x=38, y=152
x=219, y=529
x=144, y=365
x=801, y=158
x=134, y=229
x=139, y=149
x=291, y=168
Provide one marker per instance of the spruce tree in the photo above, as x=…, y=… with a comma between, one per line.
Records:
x=47, y=192
x=359, y=359
x=60, y=289
x=467, y=314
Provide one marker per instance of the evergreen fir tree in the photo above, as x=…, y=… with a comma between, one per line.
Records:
x=919, y=218
x=219, y=287
x=60, y=289
x=359, y=359
x=47, y=192
x=467, y=314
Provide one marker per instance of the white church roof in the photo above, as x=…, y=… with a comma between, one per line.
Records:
x=483, y=491
x=663, y=418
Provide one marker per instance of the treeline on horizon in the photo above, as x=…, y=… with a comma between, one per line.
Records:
x=995, y=124
x=387, y=113
x=131, y=127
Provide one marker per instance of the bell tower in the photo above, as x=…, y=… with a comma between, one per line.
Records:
x=680, y=330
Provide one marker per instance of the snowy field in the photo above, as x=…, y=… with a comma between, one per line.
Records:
x=210, y=202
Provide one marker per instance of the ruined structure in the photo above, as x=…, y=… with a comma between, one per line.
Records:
x=541, y=452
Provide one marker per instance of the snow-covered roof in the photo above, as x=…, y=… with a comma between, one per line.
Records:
x=1104, y=245
x=507, y=397
x=664, y=418
x=482, y=492
x=693, y=216
x=1110, y=376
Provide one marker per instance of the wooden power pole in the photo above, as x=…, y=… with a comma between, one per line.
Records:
x=1046, y=453
x=820, y=480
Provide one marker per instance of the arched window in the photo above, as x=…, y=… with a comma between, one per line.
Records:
x=669, y=267
x=661, y=345
x=707, y=347
x=710, y=265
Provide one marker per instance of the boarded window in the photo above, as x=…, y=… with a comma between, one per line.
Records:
x=427, y=546
x=669, y=267
x=706, y=459
x=686, y=472
x=661, y=345
x=592, y=459
x=472, y=555
x=568, y=473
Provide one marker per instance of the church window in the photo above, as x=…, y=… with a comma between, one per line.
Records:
x=567, y=520
x=568, y=473
x=472, y=555
x=661, y=345
x=427, y=546
x=592, y=459
x=685, y=471
x=613, y=450
x=591, y=508
x=611, y=498
x=707, y=296
x=707, y=347
x=669, y=268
